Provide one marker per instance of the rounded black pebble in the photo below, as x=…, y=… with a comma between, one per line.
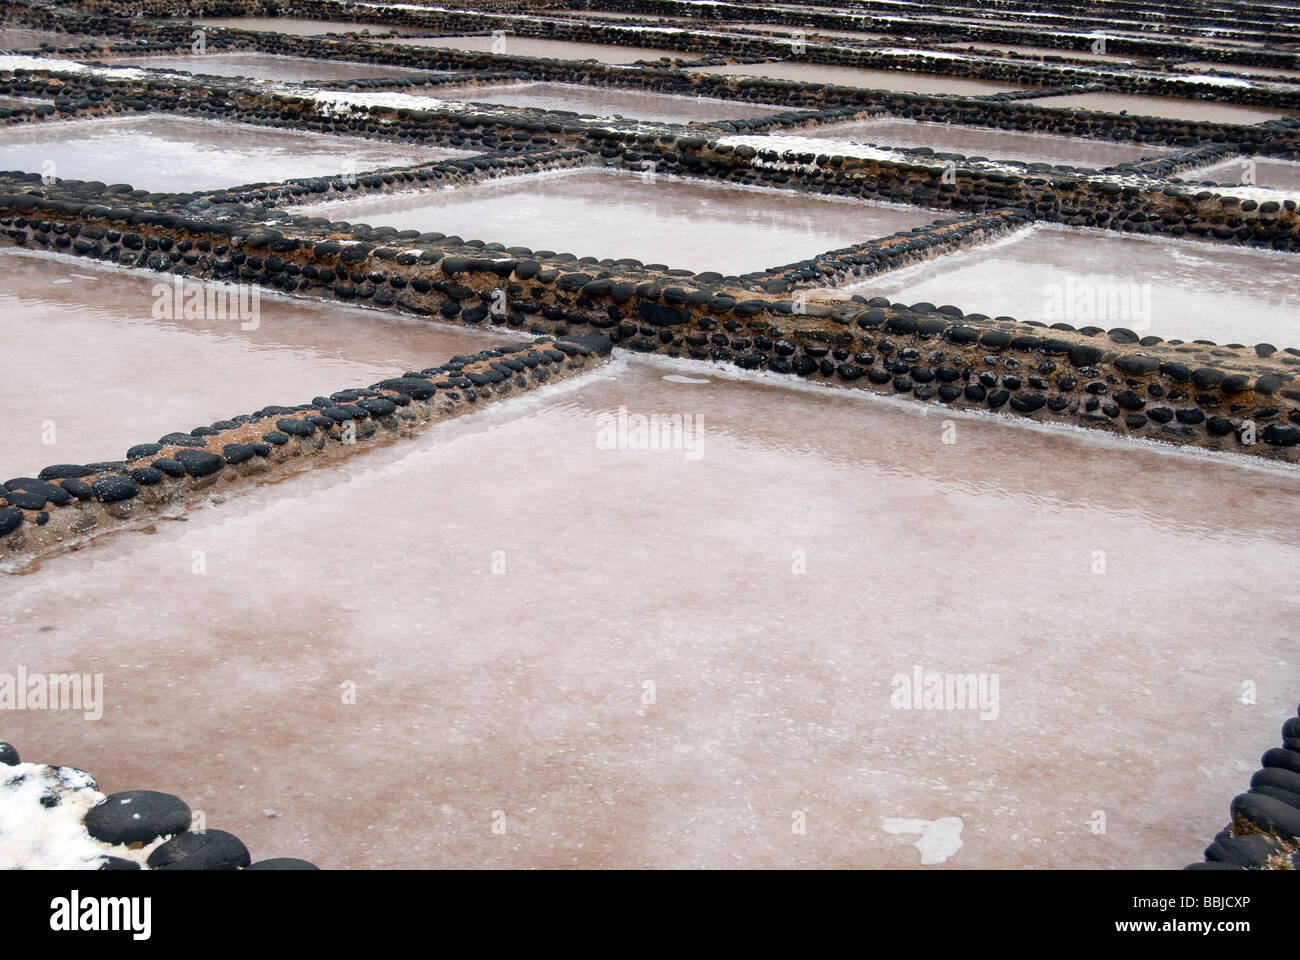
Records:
x=117, y=863
x=1252, y=850
x=115, y=488
x=8, y=754
x=137, y=816
x=282, y=863
x=10, y=519
x=1267, y=814
x=210, y=850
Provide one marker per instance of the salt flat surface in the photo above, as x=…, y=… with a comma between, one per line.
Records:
x=648, y=682
x=89, y=365
x=1281, y=175
x=655, y=218
x=1176, y=289
x=177, y=154
x=269, y=66
x=904, y=81
x=987, y=142
x=1144, y=106
x=608, y=102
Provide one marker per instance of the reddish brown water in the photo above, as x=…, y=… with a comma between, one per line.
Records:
x=668, y=220
x=608, y=102
x=647, y=682
x=994, y=144
x=1196, y=110
x=22, y=38
x=556, y=49
x=75, y=331
x=266, y=66
x=1181, y=289
x=898, y=80
x=1263, y=172
x=1082, y=50
x=168, y=153
x=1198, y=66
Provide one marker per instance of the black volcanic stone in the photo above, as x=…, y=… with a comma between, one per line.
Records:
x=118, y=863
x=238, y=452
x=52, y=492
x=296, y=426
x=282, y=863
x=115, y=488
x=8, y=754
x=147, y=476
x=142, y=450
x=26, y=501
x=210, y=850
x=1267, y=814
x=1252, y=850
x=181, y=440
x=60, y=471
x=412, y=387
x=137, y=816
x=199, y=463
x=1028, y=402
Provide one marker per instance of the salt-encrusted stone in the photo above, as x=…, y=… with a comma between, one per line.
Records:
x=137, y=816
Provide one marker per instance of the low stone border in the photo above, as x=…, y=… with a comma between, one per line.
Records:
x=66, y=502
x=1265, y=829
x=131, y=830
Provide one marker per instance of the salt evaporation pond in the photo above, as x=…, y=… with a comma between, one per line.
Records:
x=1083, y=52
x=656, y=218
x=988, y=142
x=125, y=376
x=22, y=38
x=686, y=717
x=1204, y=111
x=1176, y=289
x=1202, y=66
x=903, y=81
x=270, y=66
x=608, y=102
x=170, y=154
x=1276, y=174
x=10, y=103
x=296, y=27
x=553, y=49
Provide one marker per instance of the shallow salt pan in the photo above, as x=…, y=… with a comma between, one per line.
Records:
x=269, y=66
x=482, y=597
x=177, y=154
x=1176, y=289
x=994, y=144
x=654, y=218
x=1194, y=110
x=608, y=102
x=88, y=366
x=900, y=80
x=1264, y=172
